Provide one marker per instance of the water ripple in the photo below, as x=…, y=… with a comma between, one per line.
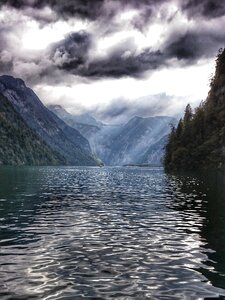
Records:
x=103, y=233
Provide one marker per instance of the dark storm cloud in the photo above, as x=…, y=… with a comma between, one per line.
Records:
x=119, y=65
x=102, y=12
x=193, y=45
x=84, y=8
x=75, y=55
x=204, y=8
x=88, y=9
x=71, y=54
x=106, y=9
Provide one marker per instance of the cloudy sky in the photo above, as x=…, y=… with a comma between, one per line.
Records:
x=113, y=58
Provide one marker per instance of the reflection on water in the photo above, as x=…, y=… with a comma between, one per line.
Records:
x=102, y=233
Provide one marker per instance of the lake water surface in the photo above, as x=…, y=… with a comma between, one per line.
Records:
x=111, y=233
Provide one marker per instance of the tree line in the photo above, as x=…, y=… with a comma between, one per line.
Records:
x=198, y=141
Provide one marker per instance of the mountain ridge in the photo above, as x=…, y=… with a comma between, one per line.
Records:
x=127, y=143
x=60, y=137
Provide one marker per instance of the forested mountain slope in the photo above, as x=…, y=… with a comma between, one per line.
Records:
x=199, y=139
x=19, y=144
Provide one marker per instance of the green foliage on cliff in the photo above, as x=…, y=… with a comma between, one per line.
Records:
x=199, y=139
x=19, y=145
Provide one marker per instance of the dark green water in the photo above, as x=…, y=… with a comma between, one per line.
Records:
x=105, y=233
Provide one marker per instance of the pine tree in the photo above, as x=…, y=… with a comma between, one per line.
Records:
x=180, y=127
x=188, y=114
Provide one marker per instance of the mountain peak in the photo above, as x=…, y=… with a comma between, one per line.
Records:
x=12, y=81
x=83, y=118
x=55, y=106
x=59, y=110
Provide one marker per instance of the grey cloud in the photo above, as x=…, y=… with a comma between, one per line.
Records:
x=185, y=48
x=122, y=65
x=6, y=59
x=204, y=8
x=193, y=45
x=72, y=51
x=83, y=8
x=74, y=54
x=106, y=9
x=121, y=110
x=71, y=55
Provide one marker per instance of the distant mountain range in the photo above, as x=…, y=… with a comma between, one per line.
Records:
x=53, y=131
x=139, y=141
x=84, y=123
x=74, y=119
x=32, y=133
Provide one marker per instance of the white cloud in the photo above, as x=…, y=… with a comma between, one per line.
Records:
x=36, y=37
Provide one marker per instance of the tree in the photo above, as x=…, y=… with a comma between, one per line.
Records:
x=188, y=114
x=179, y=130
x=171, y=145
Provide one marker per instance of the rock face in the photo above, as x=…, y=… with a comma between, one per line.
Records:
x=140, y=141
x=19, y=144
x=60, y=137
x=81, y=119
x=85, y=124
x=155, y=152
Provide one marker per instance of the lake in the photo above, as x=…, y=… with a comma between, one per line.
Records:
x=111, y=233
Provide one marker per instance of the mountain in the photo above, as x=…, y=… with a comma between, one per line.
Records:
x=81, y=119
x=134, y=141
x=84, y=123
x=60, y=137
x=141, y=140
x=198, y=142
x=86, y=119
x=19, y=144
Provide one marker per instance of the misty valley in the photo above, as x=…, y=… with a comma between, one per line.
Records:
x=78, y=139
